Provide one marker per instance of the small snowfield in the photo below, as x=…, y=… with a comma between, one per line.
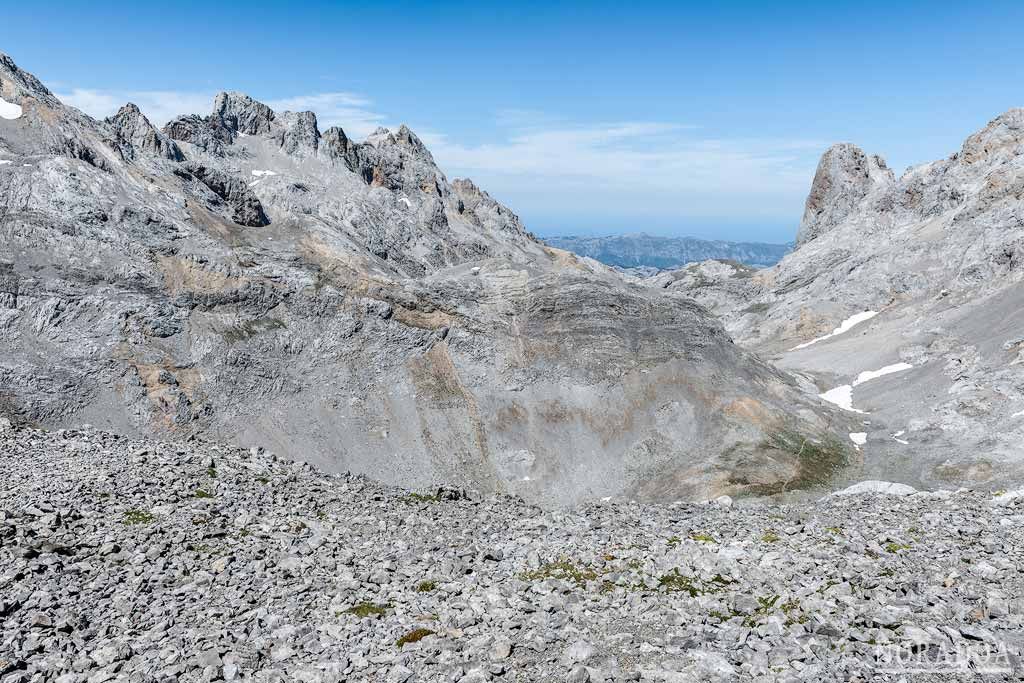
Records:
x=9, y=110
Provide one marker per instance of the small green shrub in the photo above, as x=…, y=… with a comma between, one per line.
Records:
x=562, y=569
x=138, y=517
x=413, y=636
x=366, y=609
x=420, y=498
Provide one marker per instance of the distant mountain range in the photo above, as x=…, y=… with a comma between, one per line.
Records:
x=639, y=249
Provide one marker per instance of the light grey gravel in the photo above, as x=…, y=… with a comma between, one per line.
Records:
x=140, y=560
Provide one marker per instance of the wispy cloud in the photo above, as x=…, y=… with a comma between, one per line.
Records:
x=635, y=154
x=634, y=167
x=350, y=111
x=159, y=106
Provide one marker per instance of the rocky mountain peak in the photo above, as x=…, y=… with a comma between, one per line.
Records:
x=300, y=134
x=15, y=83
x=380, y=134
x=135, y=133
x=844, y=177
x=406, y=137
x=242, y=114
x=1005, y=133
x=483, y=210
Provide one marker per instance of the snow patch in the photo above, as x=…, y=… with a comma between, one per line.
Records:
x=886, y=488
x=4, y=162
x=9, y=110
x=1020, y=414
x=897, y=439
x=405, y=200
x=869, y=375
x=859, y=438
x=260, y=174
x=842, y=397
x=844, y=326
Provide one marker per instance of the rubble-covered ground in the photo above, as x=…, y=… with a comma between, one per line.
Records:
x=144, y=561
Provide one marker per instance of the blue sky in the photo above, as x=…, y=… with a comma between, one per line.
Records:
x=704, y=119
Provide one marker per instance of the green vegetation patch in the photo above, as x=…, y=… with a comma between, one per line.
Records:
x=425, y=586
x=562, y=569
x=138, y=517
x=413, y=636
x=367, y=609
x=200, y=493
x=818, y=461
x=675, y=582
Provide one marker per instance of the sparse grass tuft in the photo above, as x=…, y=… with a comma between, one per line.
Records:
x=674, y=582
x=562, y=569
x=702, y=537
x=366, y=609
x=413, y=636
x=818, y=459
x=791, y=608
x=896, y=547
x=770, y=536
x=200, y=493
x=138, y=517
x=765, y=606
x=425, y=586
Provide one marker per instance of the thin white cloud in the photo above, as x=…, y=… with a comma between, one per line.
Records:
x=350, y=111
x=638, y=168
x=159, y=106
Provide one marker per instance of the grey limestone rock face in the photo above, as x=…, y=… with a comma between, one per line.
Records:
x=482, y=210
x=300, y=135
x=242, y=114
x=845, y=176
x=137, y=134
x=200, y=132
x=1003, y=137
x=345, y=304
x=245, y=206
